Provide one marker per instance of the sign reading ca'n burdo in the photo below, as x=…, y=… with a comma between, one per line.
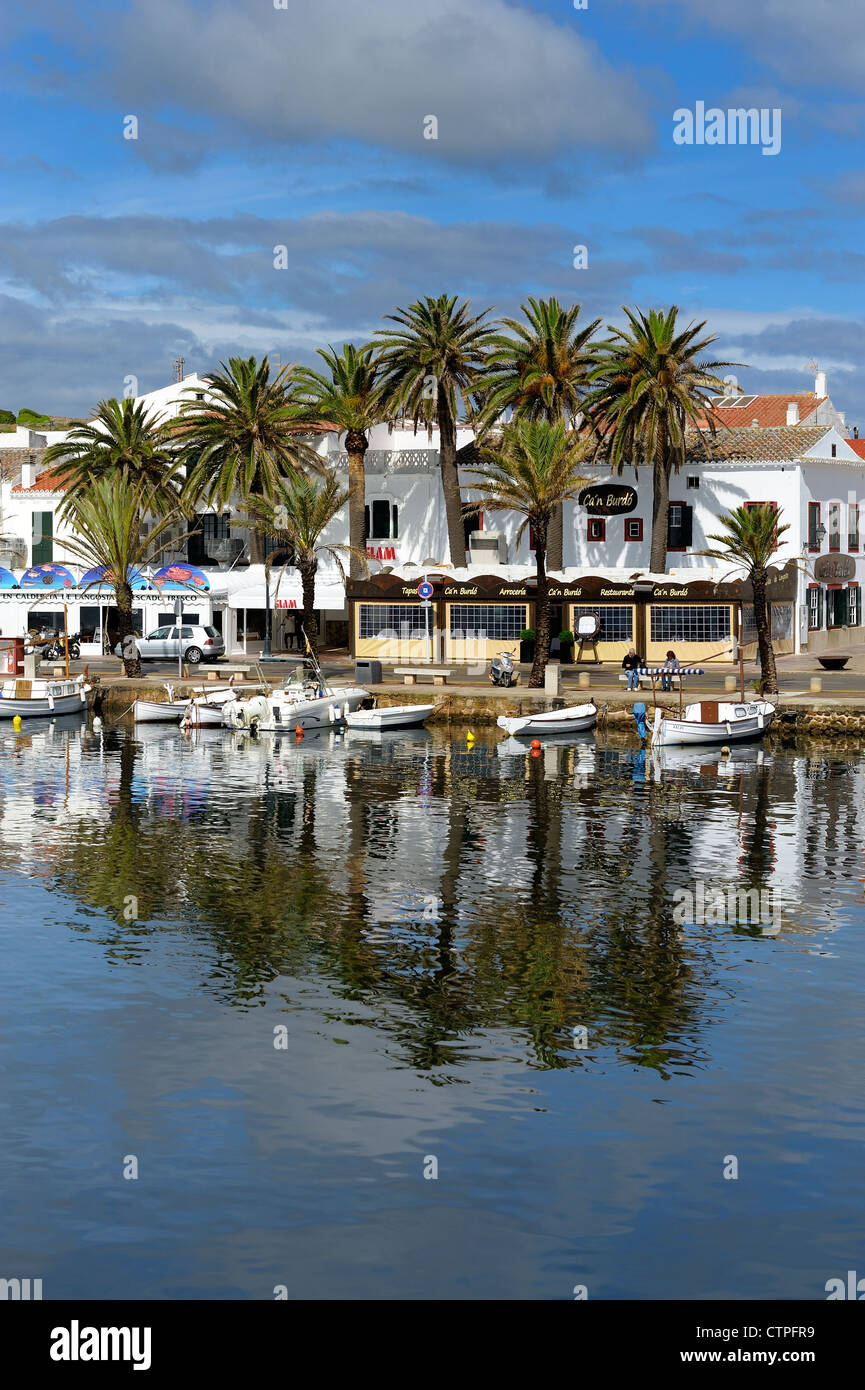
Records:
x=834, y=567
x=608, y=499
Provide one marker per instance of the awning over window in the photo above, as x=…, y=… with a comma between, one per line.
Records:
x=7, y=579
x=48, y=577
x=101, y=580
x=181, y=579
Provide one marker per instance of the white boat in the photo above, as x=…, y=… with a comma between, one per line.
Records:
x=557, y=721
x=305, y=701
x=158, y=711
x=38, y=699
x=713, y=721
x=389, y=717
x=201, y=707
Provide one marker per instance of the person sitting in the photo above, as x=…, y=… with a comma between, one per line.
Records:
x=669, y=666
x=632, y=663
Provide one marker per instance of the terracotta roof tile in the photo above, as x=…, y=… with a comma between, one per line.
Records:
x=767, y=410
x=858, y=446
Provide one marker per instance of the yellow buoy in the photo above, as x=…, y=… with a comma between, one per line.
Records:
x=470, y=738
x=16, y=722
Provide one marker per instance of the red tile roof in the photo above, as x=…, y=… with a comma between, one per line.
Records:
x=767, y=410
x=858, y=446
x=52, y=480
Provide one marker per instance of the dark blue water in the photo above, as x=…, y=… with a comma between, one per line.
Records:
x=425, y=923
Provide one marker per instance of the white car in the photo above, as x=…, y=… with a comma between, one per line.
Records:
x=196, y=643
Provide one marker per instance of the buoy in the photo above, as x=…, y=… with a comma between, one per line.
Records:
x=536, y=743
x=470, y=738
x=536, y=752
x=16, y=722
x=298, y=731
x=725, y=752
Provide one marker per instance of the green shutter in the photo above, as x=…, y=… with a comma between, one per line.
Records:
x=43, y=538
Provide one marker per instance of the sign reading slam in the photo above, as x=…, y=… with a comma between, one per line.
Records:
x=608, y=499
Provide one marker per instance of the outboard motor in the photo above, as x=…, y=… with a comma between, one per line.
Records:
x=640, y=719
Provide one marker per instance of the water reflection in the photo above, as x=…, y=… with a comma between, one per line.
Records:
x=449, y=891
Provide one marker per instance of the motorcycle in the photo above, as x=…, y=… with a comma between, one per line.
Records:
x=57, y=650
x=502, y=669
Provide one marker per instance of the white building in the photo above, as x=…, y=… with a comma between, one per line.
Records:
x=795, y=457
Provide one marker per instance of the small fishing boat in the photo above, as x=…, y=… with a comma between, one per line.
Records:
x=558, y=721
x=36, y=699
x=389, y=717
x=305, y=701
x=713, y=721
x=168, y=711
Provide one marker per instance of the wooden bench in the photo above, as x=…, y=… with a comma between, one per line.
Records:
x=410, y=674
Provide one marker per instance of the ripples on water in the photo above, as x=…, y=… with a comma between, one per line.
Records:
x=428, y=922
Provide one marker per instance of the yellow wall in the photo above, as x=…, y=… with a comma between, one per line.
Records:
x=611, y=652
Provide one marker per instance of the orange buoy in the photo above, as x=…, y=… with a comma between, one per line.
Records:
x=298, y=731
x=536, y=743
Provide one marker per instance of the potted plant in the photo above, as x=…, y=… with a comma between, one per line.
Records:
x=527, y=645
x=566, y=646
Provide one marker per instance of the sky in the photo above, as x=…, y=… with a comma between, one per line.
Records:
x=305, y=127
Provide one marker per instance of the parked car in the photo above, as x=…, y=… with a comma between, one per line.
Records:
x=196, y=643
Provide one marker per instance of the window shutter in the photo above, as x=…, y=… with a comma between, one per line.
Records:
x=687, y=532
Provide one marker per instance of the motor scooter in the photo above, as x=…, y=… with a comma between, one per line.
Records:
x=502, y=669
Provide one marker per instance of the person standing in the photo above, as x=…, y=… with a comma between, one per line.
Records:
x=632, y=663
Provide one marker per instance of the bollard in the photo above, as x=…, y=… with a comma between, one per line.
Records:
x=730, y=683
x=552, y=678
x=816, y=684
x=584, y=680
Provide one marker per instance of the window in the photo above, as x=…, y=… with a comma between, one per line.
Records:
x=617, y=622
x=693, y=481
x=633, y=528
x=751, y=506
x=381, y=520
x=834, y=525
x=815, y=608
x=813, y=525
x=854, y=611
x=45, y=617
x=834, y=451
x=708, y=622
x=499, y=622
x=89, y=622
x=597, y=530
x=392, y=620
x=167, y=620
x=42, y=538
x=159, y=634
x=680, y=526
x=853, y=526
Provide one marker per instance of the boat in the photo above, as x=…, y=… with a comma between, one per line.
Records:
x=305, y=701
x=38, y=699
x=713, y=721
x=558, y=721
x=202, y=706
x=389, y=717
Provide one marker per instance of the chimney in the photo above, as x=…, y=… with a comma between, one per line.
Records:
x=820, y=384
x=855, y=431
x=28, y=471
x=792, y=412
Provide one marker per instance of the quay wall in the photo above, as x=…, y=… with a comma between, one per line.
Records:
x=814, y=716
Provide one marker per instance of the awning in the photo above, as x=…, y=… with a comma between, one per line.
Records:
x=289, y=596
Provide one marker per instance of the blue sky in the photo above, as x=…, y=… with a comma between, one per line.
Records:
x=304, y=126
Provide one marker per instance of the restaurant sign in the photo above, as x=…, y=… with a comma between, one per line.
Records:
x=610, y=499
x=834, y=567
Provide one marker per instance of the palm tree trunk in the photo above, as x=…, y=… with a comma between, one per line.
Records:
x=307, y=578
x=450, y=481
x=542, y=609
x=555, y=555
x=660, y=514
x=763, y=623
x=356, y=446
x=131, y=665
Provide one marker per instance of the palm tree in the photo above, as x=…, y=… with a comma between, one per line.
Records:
x=122, y=441
x=750, y=538
x=427, y=365
x=348, y=399
x=540, y=373
x=534, y=469
x=242, y=437
x=649, y=389
x=295, y=514
x=106, y=523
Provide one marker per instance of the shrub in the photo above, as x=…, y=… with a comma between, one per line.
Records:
x=567, y=638
x=527, y=634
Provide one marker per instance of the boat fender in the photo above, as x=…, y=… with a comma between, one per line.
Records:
x=728, y=728
x=639, y=712
x=761, y=722
x=50, y=701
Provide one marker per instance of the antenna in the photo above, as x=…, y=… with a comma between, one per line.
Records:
x=178, y=368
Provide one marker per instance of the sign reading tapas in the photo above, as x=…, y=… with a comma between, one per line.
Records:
x=829, y=567
x=608, y=499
